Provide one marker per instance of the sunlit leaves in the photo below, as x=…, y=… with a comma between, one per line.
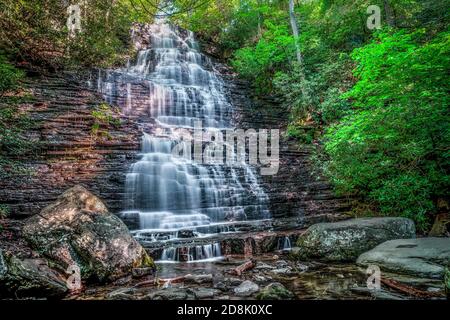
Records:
x=392, y=149
x=9, y=76
x=272, y=52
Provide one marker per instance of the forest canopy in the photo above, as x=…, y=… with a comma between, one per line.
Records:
x=36, y=32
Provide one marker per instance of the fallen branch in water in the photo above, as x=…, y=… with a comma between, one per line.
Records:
x=408, y=289
x=159, y=282
x=243, y=267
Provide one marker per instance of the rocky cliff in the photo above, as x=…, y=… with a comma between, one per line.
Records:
x=69, y=152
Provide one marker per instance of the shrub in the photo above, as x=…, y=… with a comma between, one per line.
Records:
x=393, y=148
x=9, y=76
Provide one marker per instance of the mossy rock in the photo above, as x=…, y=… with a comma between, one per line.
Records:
x=26, y=278
x=78, y=230
x=346, y=240
x=275, y=291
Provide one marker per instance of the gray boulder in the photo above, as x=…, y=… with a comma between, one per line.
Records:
x=424, y=257
x=78, y=230
x=25, y=278
x=246, y=289
x=346, y=240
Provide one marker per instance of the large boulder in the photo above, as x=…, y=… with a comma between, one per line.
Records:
x=246, y=289
x=77, y=230
x=346, y=240
x=23, y=278
x=424, y=257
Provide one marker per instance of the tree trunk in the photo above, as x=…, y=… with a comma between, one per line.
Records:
x=259, y=19
x=295, y=31
x=390, y=19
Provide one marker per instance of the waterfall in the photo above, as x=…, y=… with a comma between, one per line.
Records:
x=207, y=252
x=284, y=244
x=248, y=248
x=169, y=88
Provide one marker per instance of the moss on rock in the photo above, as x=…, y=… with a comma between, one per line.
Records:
x=78, y=230
x=275, y=291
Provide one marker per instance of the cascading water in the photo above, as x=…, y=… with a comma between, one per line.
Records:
x=208, y=252
x=172, y=86
x=284, y=244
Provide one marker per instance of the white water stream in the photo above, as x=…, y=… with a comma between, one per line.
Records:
x=170, y=87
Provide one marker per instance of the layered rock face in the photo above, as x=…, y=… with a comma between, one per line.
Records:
x=295, y=190
x=68, y=153
x=78, y=230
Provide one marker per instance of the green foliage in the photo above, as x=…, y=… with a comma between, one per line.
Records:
x=318, y=95
x=4, y=211
x=259, y=63
x=105, y=37
x=35, y=32
x=104, y=114
x=300, y=131
x=9, y=76
x=13, y=123
x=31, y=31
x=13, y=142
x=393, y=149
x=229, y=24
x=104, y=118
